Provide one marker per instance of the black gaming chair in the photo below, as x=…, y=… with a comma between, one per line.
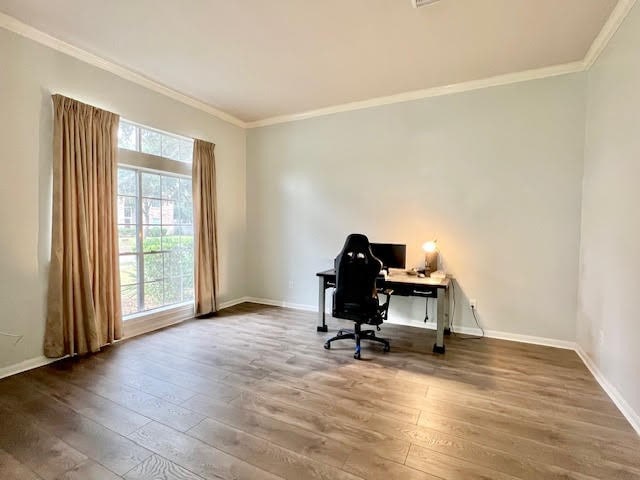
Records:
x=355, y=297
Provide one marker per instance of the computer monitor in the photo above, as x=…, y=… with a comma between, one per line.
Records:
x=390, y=254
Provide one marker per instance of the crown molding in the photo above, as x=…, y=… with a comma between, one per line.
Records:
x=506, y=79
x=619, y=13
x=16, y=26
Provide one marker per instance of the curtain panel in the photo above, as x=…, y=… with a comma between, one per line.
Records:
x=83, y=305
x=204, y=221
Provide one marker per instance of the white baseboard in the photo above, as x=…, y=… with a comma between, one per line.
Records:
x=629, y=413
x=231, y=303
x=514, y=337
x=25, y=365
x=280, y=303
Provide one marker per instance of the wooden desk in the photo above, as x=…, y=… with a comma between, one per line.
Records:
x=402, y=284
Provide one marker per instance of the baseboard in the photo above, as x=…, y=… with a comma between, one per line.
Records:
x=514, y=337
x=25, y=365
x=629, y=413
x=231, y=303
x=280, y=303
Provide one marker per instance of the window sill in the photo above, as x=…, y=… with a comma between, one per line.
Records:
x=144, y=322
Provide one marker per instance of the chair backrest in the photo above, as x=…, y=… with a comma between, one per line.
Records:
x=355, y=295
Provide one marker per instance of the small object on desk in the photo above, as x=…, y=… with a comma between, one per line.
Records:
x=413, y=272
x=421, y=275
x=438, y=275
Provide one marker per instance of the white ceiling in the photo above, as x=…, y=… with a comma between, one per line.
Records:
x=257, y=59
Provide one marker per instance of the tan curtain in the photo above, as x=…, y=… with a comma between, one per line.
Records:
x=204, y=216
x=84, y=281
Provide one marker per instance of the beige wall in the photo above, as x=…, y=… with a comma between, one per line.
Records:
x=29, y=73
x=494, y=174
x=608, y=319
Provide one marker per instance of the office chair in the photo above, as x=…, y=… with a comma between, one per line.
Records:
x=355, y=297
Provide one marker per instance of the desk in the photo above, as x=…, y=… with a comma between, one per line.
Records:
x=402, y=284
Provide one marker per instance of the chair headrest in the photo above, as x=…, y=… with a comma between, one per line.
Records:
x=357, y=242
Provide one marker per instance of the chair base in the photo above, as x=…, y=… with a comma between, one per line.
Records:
x=358, y=335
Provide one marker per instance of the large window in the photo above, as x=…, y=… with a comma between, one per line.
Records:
x=155, y=219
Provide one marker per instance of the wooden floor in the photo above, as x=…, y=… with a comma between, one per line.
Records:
x=252, y=394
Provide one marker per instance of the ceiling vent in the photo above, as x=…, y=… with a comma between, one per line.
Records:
x=422, y=3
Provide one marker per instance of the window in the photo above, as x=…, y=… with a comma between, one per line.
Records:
x=156, y=240
x=155, y=219
x=138, y=138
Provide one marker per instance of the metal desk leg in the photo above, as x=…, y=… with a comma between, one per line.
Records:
x=447, y=316
x=322, y=286
x=438, y=347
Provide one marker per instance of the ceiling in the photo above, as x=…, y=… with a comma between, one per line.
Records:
x=257, y=59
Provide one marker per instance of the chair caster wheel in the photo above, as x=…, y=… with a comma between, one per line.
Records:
x=356, y=355
x=327, y=346
x=386, y=348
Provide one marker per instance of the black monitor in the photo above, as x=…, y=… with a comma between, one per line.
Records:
x=391, y=255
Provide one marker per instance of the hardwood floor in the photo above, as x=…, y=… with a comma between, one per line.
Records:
x=252, y=394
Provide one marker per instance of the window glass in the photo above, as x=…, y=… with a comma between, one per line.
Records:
x=127, y=135
x=186, y=151
x=148, y=140
x=151, y=185
x=127, y=184
x=170, y=147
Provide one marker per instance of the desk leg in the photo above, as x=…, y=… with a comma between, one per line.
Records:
x=322, y=286
x=438, y=347
x=447, y=316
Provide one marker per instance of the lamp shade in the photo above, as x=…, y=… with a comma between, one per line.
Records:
x=430, y=246
x=430, y=256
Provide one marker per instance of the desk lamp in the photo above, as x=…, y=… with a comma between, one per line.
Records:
x=430, y=256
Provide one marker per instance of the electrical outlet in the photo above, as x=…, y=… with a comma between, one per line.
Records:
x=291, y=284
x=473, y=303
